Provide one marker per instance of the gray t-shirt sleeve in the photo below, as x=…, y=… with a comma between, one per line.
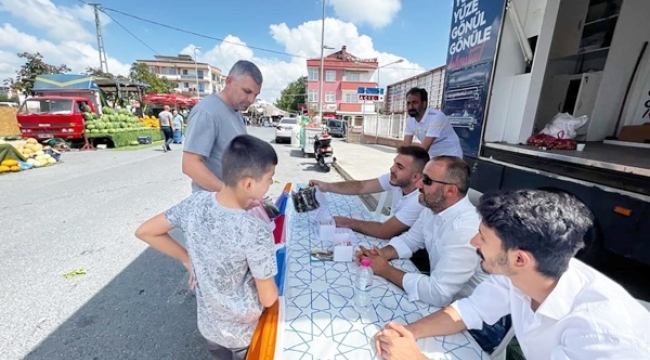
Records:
x=260, y=254
x=201, y=133
x=175, y=214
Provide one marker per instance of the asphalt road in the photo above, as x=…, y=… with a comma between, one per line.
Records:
x=132, y=303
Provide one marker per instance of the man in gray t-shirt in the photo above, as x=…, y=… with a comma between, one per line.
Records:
x=167, y=127
x=214, y=122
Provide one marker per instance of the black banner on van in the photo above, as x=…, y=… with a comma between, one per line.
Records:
x=475, y=27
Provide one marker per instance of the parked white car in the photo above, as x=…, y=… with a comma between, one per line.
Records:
x=284, y=128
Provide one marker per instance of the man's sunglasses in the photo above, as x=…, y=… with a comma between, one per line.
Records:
x=426, y=180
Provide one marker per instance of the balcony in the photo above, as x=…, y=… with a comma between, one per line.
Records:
x=188, y=76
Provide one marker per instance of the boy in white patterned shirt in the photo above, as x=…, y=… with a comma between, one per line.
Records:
x=230, y=253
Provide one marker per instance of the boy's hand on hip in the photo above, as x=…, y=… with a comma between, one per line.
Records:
x=191, y=283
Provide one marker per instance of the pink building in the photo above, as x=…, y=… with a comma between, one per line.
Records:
x=343, y=74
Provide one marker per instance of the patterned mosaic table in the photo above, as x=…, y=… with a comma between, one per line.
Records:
x=317, y=320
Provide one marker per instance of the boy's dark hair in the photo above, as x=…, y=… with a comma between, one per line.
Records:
x=247, y=156
x=419, y=155
x=549, y=225
x=457, y=172
x=424, y=96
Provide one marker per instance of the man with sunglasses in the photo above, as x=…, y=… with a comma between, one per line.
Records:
x=401, y=182
x=445, y=231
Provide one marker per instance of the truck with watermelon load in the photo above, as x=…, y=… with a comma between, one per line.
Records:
x=69, y=106
x=59, y=107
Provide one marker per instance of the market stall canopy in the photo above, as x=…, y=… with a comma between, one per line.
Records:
x=122, y=85
x=64, y=82
x=169, y=99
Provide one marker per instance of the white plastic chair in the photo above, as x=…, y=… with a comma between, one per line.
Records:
x=380, y=206
x=501, y=351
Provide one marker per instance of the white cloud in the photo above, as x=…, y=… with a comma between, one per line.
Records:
x=376, y=13
x=71, y=41
x=61, y=23
x=303, y=40
x=77, y=55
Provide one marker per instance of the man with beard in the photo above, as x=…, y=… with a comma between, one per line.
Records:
x=430, y=126
x=214, y=122
x=561, y=308
x=444, y=230
x=401, y=182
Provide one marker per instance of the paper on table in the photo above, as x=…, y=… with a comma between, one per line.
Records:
x=343, y=249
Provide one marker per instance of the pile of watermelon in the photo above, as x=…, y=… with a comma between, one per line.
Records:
x=112, y=122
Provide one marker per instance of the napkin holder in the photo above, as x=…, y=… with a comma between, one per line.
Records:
x=343, y=248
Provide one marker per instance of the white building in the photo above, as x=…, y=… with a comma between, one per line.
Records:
x=186, y=73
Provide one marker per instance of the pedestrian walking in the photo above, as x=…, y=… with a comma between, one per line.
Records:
x=167, y=127
x=178, y=127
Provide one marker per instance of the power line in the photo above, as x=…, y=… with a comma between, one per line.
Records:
x=198, y=34
x=127, y=30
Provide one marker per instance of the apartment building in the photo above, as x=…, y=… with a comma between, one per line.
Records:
x=343, y=74
x=184, y=71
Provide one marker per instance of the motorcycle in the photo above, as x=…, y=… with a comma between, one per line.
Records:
x=323, y=150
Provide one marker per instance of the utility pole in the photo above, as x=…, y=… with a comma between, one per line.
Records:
x=103, y=63
x=322, y=66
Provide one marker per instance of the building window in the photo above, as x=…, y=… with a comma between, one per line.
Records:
x=164, y=70
x=152, y=69
x=330, y=97
x=330, y=75
x=351, y=98
x=312, y=95
x=352, y=76
x=313, y=74
x=186, y=85
x=184, y=72
x=214, y=77
x=200, y=74
x=201, y=87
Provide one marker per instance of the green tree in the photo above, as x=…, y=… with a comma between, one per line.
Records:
x=98, y=73
x=33, y=67
x=6, y=98
x=140, y=72
x=293, y=95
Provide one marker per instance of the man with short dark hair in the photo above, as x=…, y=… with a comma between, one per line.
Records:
x=444, y=230
x=560, y=307
x=401, y=182
x=167, y=127
x=430, y=126
x=214, y=122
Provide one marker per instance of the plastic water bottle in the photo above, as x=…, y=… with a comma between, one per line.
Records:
x=362, y=283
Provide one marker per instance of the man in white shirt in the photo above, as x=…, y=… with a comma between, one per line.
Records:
x=444, y=230
x=560, y=307
x=401, y=182
x=430, y=126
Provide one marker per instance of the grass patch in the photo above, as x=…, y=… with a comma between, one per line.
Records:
x=139, y=147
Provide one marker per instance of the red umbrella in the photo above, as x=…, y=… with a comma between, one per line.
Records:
x=167, y=99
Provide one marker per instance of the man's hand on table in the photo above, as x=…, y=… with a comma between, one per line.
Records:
x=343, y=222
x=322, y=185
x=364, y=252
x=378, y=262
x=395, y=342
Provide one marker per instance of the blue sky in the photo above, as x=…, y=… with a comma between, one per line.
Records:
x=415, y=30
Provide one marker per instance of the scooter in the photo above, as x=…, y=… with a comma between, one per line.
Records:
x=323, y=150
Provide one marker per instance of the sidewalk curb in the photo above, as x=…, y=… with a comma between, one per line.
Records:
x=368, y=200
